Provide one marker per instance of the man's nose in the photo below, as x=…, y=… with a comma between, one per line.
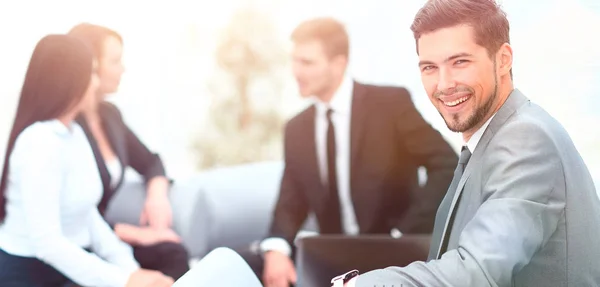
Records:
x=446, y=80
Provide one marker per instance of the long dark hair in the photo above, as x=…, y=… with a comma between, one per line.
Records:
x=57, y=78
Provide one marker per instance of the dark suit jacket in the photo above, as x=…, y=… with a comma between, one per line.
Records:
x=127, y=147
x=389, y=142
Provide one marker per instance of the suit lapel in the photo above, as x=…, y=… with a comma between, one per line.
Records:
x=115, y=133
x=357, y=122
x=365, y=204
x=101, y=165
x=514, y=101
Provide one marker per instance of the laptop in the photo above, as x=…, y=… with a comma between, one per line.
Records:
x=321, y=258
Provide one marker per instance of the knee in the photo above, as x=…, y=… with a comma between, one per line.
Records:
x=225, y=253
x=175, y=251
x=180, y=251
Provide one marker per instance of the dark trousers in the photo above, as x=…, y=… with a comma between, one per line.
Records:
x=16, y=271
x=169, y=258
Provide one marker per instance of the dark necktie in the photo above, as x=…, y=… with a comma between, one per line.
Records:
x=444, y=209
x=332, y=218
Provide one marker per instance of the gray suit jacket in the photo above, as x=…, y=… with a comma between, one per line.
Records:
x=528, y=216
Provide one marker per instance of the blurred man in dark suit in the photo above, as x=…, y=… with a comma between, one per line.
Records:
x=351, y=158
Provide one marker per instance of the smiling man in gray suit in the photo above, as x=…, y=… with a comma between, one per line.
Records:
x=522, y=209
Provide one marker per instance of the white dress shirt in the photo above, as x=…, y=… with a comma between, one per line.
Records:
x=52, y=194
x=341, y=104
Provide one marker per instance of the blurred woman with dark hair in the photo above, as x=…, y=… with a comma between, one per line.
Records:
x=51, y=232
x=156, y=246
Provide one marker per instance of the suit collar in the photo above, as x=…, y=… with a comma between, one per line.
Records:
x=341, y=102
x=512, y=103
x=476, y=137
x=515, y=100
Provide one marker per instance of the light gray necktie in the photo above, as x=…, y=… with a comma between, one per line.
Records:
x=444, y=210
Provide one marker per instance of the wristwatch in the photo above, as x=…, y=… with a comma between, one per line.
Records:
x=339, y=281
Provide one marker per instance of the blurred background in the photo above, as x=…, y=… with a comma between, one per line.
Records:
x=214, y=80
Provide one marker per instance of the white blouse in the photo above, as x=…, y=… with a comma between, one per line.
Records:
x=115, y=169
x=52, y=194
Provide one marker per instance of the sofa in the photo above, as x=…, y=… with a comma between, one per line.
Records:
x=223, y=207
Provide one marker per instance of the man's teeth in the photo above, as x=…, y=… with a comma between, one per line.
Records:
x=454, y=103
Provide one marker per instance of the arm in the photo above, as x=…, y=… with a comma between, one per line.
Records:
x=291, y=208
x=144, y=236
x=145, y=162
x=157, y=210
x=107, y=245
x=427, y=148
x=525, y=190
x=290, y=212
x=37, y=169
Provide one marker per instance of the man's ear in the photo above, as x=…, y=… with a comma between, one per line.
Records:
x=504, y=59
x=340, y=62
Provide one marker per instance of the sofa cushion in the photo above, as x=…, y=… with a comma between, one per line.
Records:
x=239, y=202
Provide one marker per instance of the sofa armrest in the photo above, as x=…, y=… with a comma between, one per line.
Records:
x=127, y=204
x=187, y=202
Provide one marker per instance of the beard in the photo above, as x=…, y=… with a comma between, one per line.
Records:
x=454, y=122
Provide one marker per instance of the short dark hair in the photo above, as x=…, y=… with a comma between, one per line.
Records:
x=94, y=36
x=328, y=31
x=485, y=16
x=56, y=80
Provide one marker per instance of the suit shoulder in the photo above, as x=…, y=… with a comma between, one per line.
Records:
x=299, y=120
x=531, y=118
x=108, y=109
x=387, y=93
x=393, y=99
x=532, y=129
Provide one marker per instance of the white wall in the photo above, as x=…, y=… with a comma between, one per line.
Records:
x=557, y=62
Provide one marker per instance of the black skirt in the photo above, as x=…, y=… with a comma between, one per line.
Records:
x=17, y=271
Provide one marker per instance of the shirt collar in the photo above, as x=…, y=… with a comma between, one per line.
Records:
x=60, y=128
x=476, y=137
x=341, y=102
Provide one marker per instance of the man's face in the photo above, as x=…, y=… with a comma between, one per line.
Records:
x=110, y=68
x=459, y=77
x=313, y=69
